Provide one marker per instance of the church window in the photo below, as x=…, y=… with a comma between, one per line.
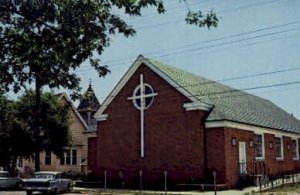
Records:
x=259, y=147
x=295, y=150
x=148, y=99
x=278, y=148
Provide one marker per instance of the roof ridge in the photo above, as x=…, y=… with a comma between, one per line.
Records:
x=230, y=103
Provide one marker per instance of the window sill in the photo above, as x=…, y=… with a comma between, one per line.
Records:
x=296, y=159
x=279, y=159
x=259, y=158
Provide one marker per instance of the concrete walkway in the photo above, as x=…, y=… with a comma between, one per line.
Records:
x=97, y=191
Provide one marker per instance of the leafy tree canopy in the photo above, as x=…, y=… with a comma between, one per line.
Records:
x=6, y=125
x=44, y=41
x=18, y=136
x=53, y=132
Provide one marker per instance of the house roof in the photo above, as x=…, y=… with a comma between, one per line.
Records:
x=229, y=103
x=89, y=101
x=68, y=100
x=225, y=103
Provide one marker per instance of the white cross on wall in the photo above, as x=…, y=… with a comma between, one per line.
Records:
x=142, y=97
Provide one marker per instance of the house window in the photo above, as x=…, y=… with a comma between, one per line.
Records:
x=69, y=157
x=20, y=162
x=278, y=148
x=63, y=159
x=259, y=149
x=295, y=149
x=74, y=157
x=48, y=158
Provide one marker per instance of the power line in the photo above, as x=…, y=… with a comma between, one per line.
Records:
x=232, y=93
x=171, y=9
x=221, y=11
x=228, y=42
x=239, y=78
x=217, y=40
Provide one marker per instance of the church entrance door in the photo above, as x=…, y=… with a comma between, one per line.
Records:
x=242, y=158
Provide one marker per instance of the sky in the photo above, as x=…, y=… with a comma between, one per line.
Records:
x=255, y=48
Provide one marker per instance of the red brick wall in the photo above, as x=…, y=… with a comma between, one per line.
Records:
x=273, y=166
x=232, y=152
x=216, y=153
x=173, y=136
x=92, y=154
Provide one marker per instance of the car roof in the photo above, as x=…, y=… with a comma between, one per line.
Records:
x=48, y=172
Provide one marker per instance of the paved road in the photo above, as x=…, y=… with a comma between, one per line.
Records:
x=24, y=193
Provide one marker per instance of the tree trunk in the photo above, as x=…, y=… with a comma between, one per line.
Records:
x=37, y=126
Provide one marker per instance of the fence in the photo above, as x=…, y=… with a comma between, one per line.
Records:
x=161, y=180
x=256, y=173
x=270, y=182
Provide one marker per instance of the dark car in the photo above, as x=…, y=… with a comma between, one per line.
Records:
x=48, y=182
x=6, y=181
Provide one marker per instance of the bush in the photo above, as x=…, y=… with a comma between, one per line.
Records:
x=74, y=175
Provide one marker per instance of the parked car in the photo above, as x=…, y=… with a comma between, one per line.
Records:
x=6, y=181
x=47, y=182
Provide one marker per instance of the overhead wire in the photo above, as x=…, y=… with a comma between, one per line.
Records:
x=235, y=9
x=121, y=61
x=237, y=78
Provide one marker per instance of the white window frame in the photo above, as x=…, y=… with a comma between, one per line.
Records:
x=71, y=157
x=297, y=149
x=281, y=148
x=262, y=146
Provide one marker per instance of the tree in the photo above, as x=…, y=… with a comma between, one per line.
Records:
x=53, y=134
x=43, y=42
x=6, y=125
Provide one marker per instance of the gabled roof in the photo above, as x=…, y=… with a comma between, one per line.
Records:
x=226, y=103
x=66, y=97
x=89, y=101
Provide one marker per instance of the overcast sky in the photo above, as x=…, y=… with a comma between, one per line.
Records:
x=254, y=37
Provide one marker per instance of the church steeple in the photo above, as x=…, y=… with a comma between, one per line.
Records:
x=88, y=105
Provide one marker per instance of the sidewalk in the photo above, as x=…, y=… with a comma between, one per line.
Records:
x=97, y=191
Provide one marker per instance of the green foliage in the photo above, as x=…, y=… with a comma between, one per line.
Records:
x=198, y=19
x=6, y=125
x=46, y=41
x=18, y=135
x=53, y=132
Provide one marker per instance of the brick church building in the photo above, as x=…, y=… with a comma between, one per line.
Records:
x=159, y=118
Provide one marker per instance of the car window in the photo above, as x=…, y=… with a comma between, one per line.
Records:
x=58, y=176
x=44, y=176
x=4, y=175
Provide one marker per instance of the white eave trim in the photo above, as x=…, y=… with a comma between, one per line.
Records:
x=91, y=134
x=196, y=106
x=74, y=109
x=248, y=127
x=102, y=117
x=142, y=60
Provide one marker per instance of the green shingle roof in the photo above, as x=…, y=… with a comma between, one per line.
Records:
x=229, y=103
